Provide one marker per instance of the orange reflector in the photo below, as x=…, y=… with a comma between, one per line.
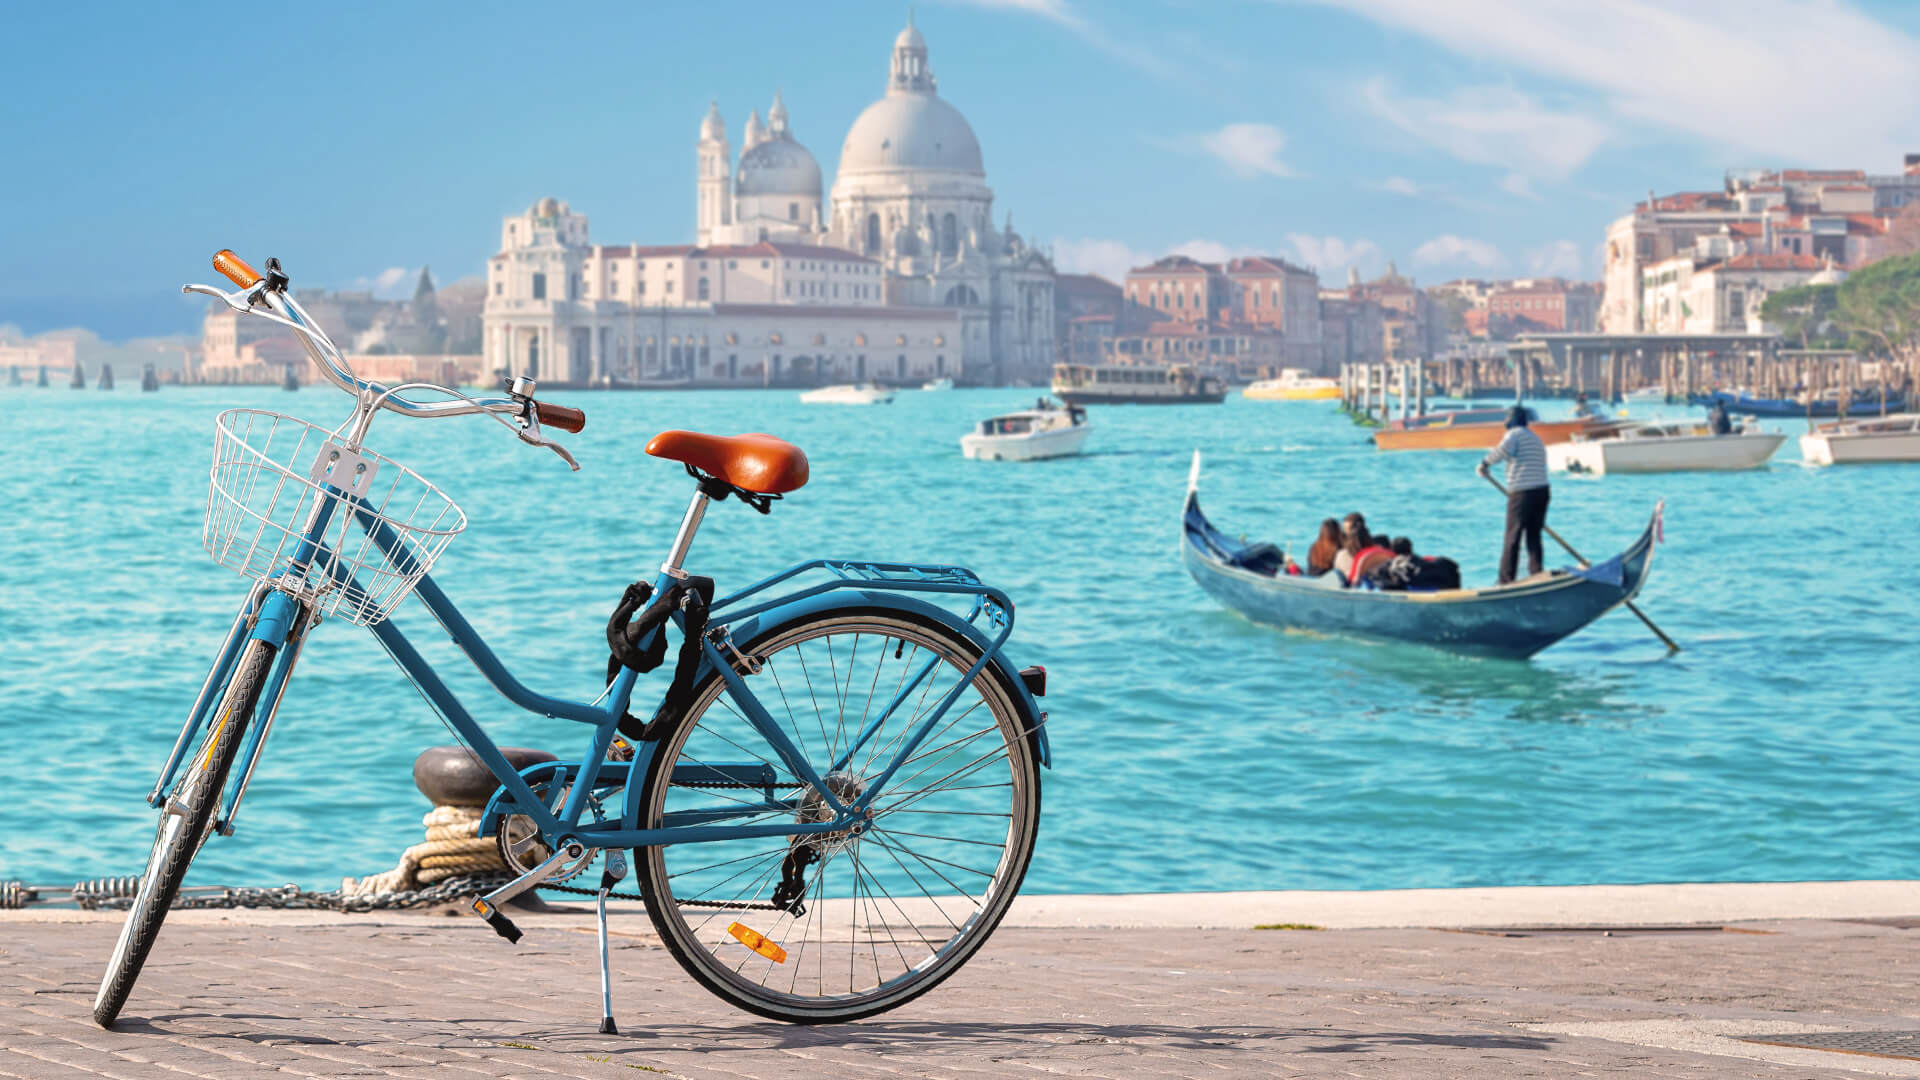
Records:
x=235, y=268
x=761, y=945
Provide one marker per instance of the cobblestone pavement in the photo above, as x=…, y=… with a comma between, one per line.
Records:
x=442, y=997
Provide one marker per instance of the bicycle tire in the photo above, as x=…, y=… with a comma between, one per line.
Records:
x=697, y=949
x=178, y=837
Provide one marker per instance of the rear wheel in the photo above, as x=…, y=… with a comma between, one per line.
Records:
x=185, y=820
x=836, y=926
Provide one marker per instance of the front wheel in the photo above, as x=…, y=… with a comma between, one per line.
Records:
x=835, y=926
x=185, y=819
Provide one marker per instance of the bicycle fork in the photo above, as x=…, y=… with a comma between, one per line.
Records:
x=279, y=620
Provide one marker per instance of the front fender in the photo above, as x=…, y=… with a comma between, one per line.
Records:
x=801, y=610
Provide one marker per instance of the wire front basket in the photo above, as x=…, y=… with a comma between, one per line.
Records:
x=272, y=474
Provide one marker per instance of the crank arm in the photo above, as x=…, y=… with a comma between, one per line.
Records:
x=488, y=906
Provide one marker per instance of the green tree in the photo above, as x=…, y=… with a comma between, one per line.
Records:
x=1879, y=306
x=1804, y=312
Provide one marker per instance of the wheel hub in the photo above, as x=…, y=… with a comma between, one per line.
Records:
x=814, y=810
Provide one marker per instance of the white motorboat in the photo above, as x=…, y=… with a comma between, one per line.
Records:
x=866, y=393
x=941, y=383
x=1666, y=446
x=1646, y=395
x=1028, y=435
x=1884, y=438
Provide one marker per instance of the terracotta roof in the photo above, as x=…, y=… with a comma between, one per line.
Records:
x=1770, y=262
x=1263, y=265
x=1824, y=174
x=1084, y=283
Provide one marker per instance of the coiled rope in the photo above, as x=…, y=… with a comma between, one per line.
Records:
x=452, y=849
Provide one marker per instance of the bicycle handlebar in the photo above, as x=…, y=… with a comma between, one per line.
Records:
x=568, y=420
x=235, y=268
x=326, y=355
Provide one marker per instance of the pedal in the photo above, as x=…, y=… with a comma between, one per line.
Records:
x=496, y=919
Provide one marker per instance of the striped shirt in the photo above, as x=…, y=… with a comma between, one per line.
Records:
x=1526, y=458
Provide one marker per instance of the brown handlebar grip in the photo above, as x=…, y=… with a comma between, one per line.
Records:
x=560, y=416
x=235, y=268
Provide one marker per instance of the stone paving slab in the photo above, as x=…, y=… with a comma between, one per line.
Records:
x=442, y=997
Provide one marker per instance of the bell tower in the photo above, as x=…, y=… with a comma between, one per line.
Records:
x=713, y=187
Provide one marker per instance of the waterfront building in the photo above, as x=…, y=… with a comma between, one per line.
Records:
x=1249, y=313
x=902, y=276
x=1693, y=294
x=1530, y=305
x=236, y=348
x=1841, y=215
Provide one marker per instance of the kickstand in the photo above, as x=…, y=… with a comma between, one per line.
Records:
x=616, y=869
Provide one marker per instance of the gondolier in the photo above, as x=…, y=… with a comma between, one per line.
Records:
x=1528, y=493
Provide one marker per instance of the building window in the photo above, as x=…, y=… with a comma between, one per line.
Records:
x=539, y=286
x=793, y=211
x=703, y=288
x=733, y=264
x=763, y=264
x=873, y=234
x=642, y=290
x=498, y=288
x=788, y=287
x=949, y=236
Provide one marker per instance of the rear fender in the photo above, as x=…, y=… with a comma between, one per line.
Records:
x=798, y=611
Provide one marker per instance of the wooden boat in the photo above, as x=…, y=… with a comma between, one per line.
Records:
x=1294, y=384
x=1666, y=446
x=1888, y=438
x=1478, y=429
x=1865, y=403
x=1512, y=621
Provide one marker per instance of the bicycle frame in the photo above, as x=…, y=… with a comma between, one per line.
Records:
x=283, y=620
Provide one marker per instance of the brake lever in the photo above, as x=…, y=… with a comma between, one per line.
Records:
x=529, y=433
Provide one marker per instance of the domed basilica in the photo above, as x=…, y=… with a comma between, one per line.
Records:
x=911, y=193
x=904, y=249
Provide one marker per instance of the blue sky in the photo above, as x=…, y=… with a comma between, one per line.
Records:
x=358, y=142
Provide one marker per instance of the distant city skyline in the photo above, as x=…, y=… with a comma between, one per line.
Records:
x=1486, y=138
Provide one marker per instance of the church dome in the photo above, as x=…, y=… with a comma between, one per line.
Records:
x=779, y=166
x=910, y=131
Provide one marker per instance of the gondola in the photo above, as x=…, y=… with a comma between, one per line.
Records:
x=1512, y=621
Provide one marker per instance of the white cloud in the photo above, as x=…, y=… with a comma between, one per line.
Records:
x=1493, y=125
x=1400, y=185
x=393, y=283
x=1063, y=14
x=1248, y=149
x=1563, y=258
x=1111, y=259
x=1518, y=184
x=1332, y=255
x=1451, y=250
x=1816, y=80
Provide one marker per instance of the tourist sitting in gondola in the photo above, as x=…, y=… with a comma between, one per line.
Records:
x=1326, y=547
x=1368, y=552
x=1409, y=571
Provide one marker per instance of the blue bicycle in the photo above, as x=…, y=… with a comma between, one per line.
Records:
x=830, y=808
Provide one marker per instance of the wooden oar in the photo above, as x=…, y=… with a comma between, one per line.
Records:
x=1548, y=529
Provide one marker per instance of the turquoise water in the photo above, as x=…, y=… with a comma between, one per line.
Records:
x=1193, y=750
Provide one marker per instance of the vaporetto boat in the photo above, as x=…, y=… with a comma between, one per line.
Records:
x=1664, y=446
x=1513, y=621
x=1028, y=435
x=1135, y=384
x=1889, y=438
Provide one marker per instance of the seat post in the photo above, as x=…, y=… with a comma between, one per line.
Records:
x=683, y=539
